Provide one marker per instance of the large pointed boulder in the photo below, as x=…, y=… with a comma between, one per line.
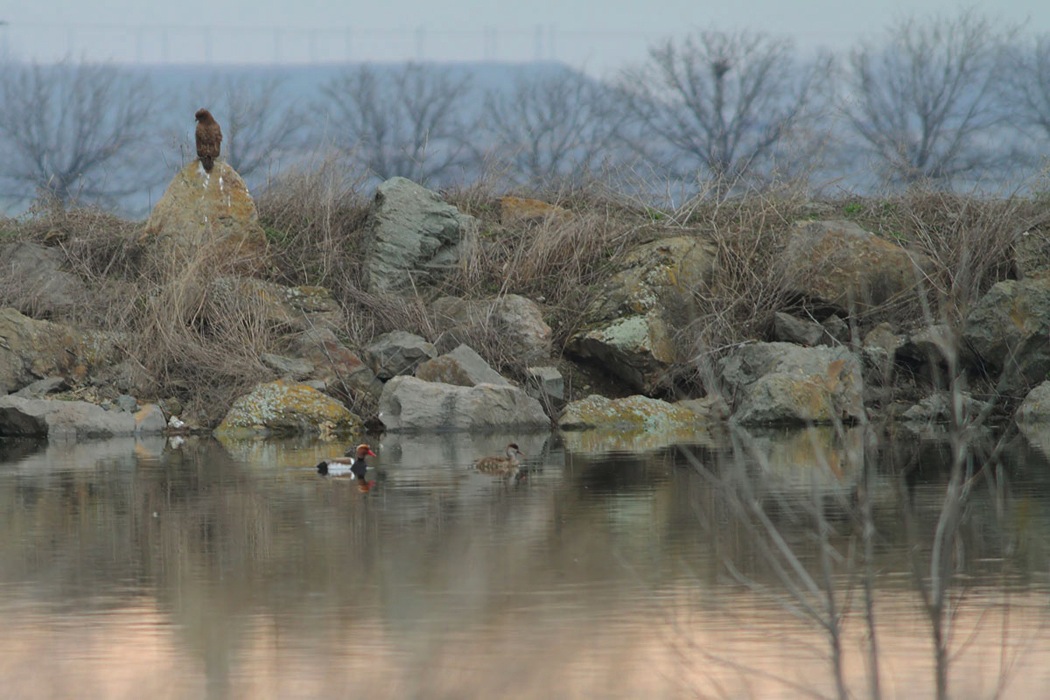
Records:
x=211, y=212
x=415, y=237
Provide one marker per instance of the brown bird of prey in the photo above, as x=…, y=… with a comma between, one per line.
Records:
x=209, y=137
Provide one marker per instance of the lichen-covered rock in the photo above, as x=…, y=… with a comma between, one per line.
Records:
x=74, y=419
x=1032, y=254
x=283, y=408
x=840, y=264
x=941, y=406
x=409, y=404
x=1008, y=330
x=32, y=350
x=415, y=237
x=783, y=384
x=597, y=425
x=462, y=367
x=211, y=214
x=634, y=413
x=630, y=328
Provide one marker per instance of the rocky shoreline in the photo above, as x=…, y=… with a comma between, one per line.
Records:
x=853, y=334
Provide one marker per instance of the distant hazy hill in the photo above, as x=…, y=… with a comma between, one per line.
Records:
x=304, y=82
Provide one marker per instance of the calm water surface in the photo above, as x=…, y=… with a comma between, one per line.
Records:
x=133, y=569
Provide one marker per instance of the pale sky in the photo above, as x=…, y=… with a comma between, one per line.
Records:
x=596, y=36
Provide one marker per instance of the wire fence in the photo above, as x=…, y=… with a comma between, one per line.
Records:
x=152, y=43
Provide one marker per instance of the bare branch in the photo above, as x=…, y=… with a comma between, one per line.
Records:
x=923, y=104
x=722, y=103
x=408, y=122
x=73, y=130
x=552, y=127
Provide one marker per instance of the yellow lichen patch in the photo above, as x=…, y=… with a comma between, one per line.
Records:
x=522, y=209
x=282, y=407
x=634, y=413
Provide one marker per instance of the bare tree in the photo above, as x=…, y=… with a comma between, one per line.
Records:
x=552, y=127
x=258, y=128
x=73, y=130
x=923, y=103
x=406, y=122
x=1026, y=86
x=721, y=103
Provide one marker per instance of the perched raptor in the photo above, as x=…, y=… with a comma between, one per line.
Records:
x=209, y=138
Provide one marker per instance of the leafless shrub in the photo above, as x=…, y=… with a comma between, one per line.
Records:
x=722, y=103
x=748, y=233
x=558, y=259
x=313, y=218
x=406, y=122
x=192, y=339
x=970, y=238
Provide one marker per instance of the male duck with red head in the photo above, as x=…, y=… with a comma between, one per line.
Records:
x=354, y=467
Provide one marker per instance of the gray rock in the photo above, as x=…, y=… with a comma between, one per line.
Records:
x=397, y=352
x=462, y=367
x=42, y=387
x=933, y=345
x=37, y=271
x=840, y=264
x=335, y=365
x=517, y=322
x=74, y=419
x=545, y=383
x=128, y=404
x=630, y=329
x=288, y=367
x=415, y=237
x=783, y=384
x=789, y=329
x=1008, y=330
x=409, y=404
x=1036, y=405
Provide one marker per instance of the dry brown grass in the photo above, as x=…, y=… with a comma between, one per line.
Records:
x=204, y=348
x=559, y=260
x=748, y=233
x=313, y=219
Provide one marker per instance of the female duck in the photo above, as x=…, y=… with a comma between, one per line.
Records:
x=501, y=466
x=354, y=467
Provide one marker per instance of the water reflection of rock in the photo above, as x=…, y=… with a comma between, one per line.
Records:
x=232, y=551
x=801, y=460
x=599, y=441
